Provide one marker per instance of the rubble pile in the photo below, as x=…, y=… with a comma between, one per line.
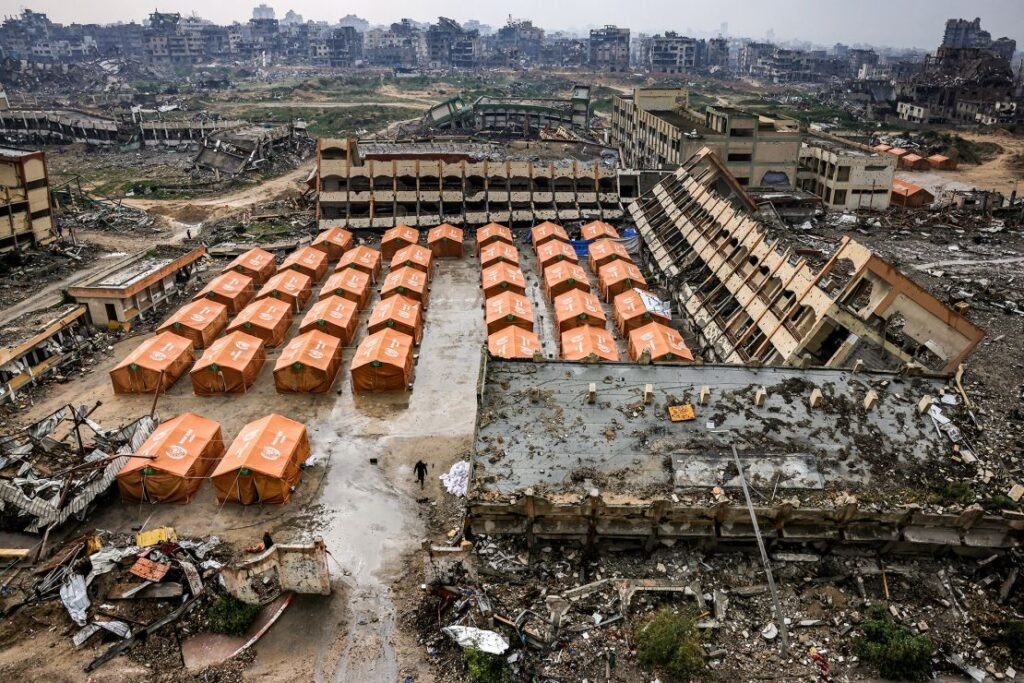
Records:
x=569, y=616
x=42, y=265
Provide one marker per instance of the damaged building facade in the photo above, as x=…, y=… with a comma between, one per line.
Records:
x=26, y=216
x=751, y=298
x=375, y=184
x=844, y=177
x=524, y=116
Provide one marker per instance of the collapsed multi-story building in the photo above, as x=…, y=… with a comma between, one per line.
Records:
x=380, y=185
x=609, y=48
x=523, y=116
x=845, y=177
x=25, y=208
x=655, y=128
x=750, y=297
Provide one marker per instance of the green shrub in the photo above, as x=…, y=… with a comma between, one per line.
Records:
x=953, y=493
x=230, y=615
x=893, y=649
x=486, y=668
x=1013, y=637
x=671, y=641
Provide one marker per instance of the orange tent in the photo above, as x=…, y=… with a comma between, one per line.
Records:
x=617, y=277
x=576, y=308
x=398, y=313
x=501, y=277
x=547, y=231
x=445, y=241
x=172, y=463
x=396, y=238
x=363, y=259
x=308, y=261
x=598, y=229
x=288, y=286
x=256, y=263
x=334, y=242
x=665, y=344
x=553, y=251
x=561, y=277
x=309, y=364
x=631, y=312
x=583, y=343
x=201, y=321
x=234, y=290
x=498, y=252
x=350, y=284
x=513, y=342
x=509, y=309
x=408, y=281
x=383, y=362
x=334, y=315
x=263, y=463
x=153, y=366
x=413, y=256
x=230, y=365
x=605, y=251
x=268, y=319
x=491, y=233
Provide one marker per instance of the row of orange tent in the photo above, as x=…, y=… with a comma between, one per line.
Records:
x=443, y=241
x=262, y=465
x=508, y=313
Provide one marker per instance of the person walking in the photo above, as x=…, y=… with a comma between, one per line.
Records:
x=420, y=470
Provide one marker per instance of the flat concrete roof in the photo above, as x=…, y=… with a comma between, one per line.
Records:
x=536, y=428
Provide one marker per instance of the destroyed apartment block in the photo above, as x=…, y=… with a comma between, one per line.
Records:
x=381, y=185
x=753, y=297
x=511, y=114
x=587, y=453
x=134, y=286
x=234, y=151
x=37, y=344
x=26, y=216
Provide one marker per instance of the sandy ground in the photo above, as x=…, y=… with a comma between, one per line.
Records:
x=370, y=515
x=996, y=174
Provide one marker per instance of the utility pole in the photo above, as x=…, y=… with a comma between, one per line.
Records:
x=783, y=631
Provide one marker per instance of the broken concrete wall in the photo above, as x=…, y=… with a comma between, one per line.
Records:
x=292, y=568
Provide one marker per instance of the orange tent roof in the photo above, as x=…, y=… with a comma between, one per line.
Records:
x=938, y=159
x=502, y=277
x=361, y=258
x=155, y=364
x=408, y=281
x=173, y=461
x=664, y=343
x=288, y=285
x=508, y=309
x=604, y=251
x=256, y=263
x=396, y=238
x=445, y=241
x=902, y=187
x=413, y=256
x=308, y=261
x=268, y=319
x=598, y=229
x=491, y=233
x=897, y=151
x=618, y=276
x=513, y=342
x=399, y=313
x=631, y=312
x=882, y=147
x=334, y=315
x=309, y=363
x=334, y=242
x=498, y=252
x=576, y=308
x=230, y=365
x=581, y=343
x=562, y=277
x=553, y=251
x=383, y=362
x=232, y=289
x=263, y=462
x=201, y=321
x=547, y=231
x=350, y=284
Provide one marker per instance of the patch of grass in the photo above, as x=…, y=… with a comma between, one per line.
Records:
x=952, y=493
x=670, y=641
x=1013, y=637
x=486, y=668
x=231, y=616
x=893, y=649
x=335, y=121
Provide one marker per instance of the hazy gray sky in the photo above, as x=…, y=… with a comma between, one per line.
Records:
x=899, y=23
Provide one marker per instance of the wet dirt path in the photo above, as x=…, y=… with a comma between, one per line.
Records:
x=371, y=517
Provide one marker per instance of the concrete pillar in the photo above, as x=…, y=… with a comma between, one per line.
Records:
x=648, y=393
x=815, y=399
x=705, y=395
x=870, y=399
x=924, y=404
x=592, y=393
x=760, y=396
